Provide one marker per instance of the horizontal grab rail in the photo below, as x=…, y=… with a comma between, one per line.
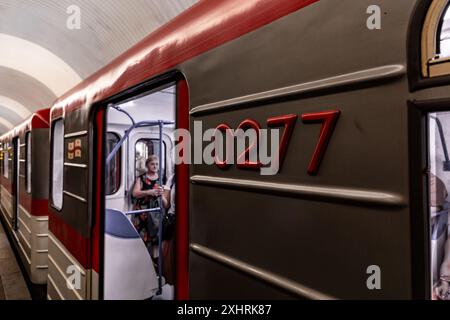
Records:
x=159, y=123
x=130, y=213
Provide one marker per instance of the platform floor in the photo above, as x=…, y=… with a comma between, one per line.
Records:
x=12, y=283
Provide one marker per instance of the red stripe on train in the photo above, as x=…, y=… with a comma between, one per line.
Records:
x=99, y=118
x=70, y=238
x=35, y=207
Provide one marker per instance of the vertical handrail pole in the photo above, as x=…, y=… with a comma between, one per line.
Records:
x=127, y=169
x=160, y=231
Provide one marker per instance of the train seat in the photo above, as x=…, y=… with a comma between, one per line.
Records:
x=129, y=271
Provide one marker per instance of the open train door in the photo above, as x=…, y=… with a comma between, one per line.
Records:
x=429, y=135
x=127, y=267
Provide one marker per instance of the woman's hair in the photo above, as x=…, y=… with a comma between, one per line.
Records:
x=150, y=159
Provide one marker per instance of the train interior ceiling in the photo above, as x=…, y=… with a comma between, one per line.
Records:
x=133, y=245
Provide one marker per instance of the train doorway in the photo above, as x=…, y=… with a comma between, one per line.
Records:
x=140, y=186
x=439, y=203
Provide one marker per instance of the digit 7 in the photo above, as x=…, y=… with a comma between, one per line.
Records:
x=288, y=122
x=328, y=120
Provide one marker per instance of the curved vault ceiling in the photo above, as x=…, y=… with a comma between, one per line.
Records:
x=41, y=58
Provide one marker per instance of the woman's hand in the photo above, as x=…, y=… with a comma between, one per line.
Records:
x=155, y=192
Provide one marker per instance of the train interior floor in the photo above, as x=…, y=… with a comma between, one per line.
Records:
x=12, y=282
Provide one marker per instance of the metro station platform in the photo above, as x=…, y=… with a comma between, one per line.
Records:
x=12, y=282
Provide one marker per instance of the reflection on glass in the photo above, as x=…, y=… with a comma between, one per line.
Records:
x=113, y=168
x=146, y=148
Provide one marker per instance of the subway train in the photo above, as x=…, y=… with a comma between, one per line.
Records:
x=24, y=191
x=357, y=209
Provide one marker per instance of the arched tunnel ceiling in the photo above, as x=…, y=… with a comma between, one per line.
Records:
x=41, y=58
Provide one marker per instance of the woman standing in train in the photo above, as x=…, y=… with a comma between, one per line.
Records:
x=146, y=191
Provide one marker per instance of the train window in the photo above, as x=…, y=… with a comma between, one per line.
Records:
x=143, y=150
x=444, y=36
x=436, y=40
x=58, y=164
x=6, y=162
x=28, y=163
x=113, y=169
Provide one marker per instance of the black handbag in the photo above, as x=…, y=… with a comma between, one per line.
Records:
x=168, y=225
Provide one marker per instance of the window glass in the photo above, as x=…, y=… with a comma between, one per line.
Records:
x=444, y=36
x=17, y=155
x=28, y=163
x=6, y=162
x=58, y=164
x=435, y=45
x=144, y=149
x=113, y=170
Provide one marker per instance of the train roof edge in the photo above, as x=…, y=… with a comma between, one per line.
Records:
x=205, y=26
x=40, y=119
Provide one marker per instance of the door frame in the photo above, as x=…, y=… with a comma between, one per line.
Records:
x=98, y=128
x=419, y=162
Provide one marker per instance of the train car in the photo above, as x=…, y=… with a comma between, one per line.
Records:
x=358, y=207
x=24, y=192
